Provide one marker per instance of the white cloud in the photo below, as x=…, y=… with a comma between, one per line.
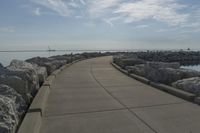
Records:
x=100, y=8
x=58, y=6
x=7, y=29
x=160, y=10
x=110, y=20
x=73, y=4
x=124, y=11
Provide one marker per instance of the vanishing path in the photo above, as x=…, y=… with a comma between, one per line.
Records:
x=91, y=96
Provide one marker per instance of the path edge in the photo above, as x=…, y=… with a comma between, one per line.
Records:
x=171, y=90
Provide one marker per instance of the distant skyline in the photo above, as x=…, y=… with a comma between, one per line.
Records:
x=99, y=24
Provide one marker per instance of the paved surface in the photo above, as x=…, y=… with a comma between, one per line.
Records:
x=93, y=97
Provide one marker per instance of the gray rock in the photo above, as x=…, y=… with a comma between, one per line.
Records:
x=163, y=75
x=12, y=107
x=77, y=57
x=17, y=83
x=137, y=69
x=169, y=75
x=66, y=59
x=26, y=72
x=2, y=69
x=162, y=72
x=128, y=62
x=188, y=73
x=41, y=72
x=190, y=84
x=157, y=65
x=50, y=63
x=8, y=119
x=1, y=66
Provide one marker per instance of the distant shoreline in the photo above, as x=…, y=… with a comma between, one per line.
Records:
x=108, y=50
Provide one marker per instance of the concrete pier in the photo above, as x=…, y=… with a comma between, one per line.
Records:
x=91, y=96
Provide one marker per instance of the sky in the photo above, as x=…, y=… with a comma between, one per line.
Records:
x=99, y=24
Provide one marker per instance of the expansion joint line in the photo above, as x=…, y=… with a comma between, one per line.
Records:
x=125, y=107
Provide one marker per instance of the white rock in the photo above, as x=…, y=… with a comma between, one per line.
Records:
x=26, y=72
x=190, y=84
x=12, y=107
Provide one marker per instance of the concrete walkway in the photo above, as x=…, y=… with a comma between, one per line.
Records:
x=93, y=97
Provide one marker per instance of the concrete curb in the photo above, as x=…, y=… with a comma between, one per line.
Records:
x=31, y=123
x=119, y=68
x=33, y=118
x=39, y=102
x=137, y=77
x=56, y=72
x=171, y=90
x=179, y=93
x=49, y=81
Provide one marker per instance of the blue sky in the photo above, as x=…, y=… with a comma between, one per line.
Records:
x=99, y=24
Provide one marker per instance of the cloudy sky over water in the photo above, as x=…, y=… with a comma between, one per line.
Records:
x=99, y=24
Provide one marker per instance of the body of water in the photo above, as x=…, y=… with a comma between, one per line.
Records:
x=193, y=67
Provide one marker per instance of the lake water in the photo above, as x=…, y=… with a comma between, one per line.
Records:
x=194, y=67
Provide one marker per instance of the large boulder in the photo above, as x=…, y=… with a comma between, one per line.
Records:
x=12, y=107
x=17, y=83
x=188, y=73
x=26, y=72
x=23, y=77
x=190, y=84
x=50, y=63
x=128, y=62
x=137, y=69
x=2, y=69
x=162, y=72
x=162, y=75
x=1, y=66
x=157, y=65
x=41, y=72
x=169, y=75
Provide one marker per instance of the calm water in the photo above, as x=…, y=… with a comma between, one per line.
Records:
x=194, y=67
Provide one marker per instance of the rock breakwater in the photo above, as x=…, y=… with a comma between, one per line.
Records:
x=163, y=67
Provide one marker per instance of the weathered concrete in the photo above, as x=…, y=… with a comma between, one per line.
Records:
x=174, y=91
x=39, y=102
x=49, y=81
x=31, y=123
x=174, y=118
x=56, y=72
x=93, y=97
